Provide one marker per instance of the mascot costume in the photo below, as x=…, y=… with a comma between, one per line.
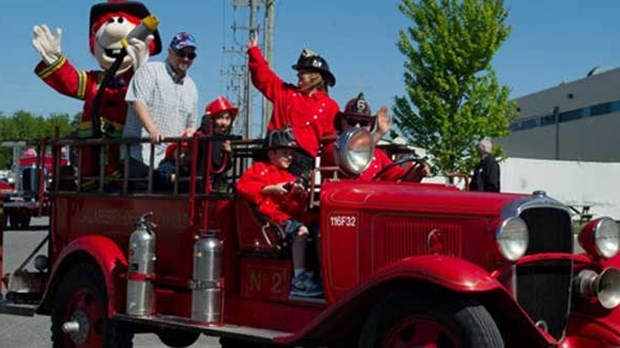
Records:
x=122, y=35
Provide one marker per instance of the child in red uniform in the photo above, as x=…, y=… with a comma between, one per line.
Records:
x=281, y=198
x=357, y=114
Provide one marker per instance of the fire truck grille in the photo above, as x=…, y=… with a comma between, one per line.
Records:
x=544, y=287
x=543, y=290
x=550, y=231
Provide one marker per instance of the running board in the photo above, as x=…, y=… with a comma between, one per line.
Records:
x=26, y=310
x=171, y=322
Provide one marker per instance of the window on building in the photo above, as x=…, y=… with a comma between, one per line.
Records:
x=600, y=109
x=515, y=126
x=547, y=120
x=531, y=123
x=570, y=115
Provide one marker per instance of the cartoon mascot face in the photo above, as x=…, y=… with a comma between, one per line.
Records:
x=107, y=42
x=109, y=24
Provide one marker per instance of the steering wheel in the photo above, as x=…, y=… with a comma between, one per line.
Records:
x=415, y=160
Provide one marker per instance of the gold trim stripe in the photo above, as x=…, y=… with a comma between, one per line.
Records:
x=53, y=67
x=82, y=77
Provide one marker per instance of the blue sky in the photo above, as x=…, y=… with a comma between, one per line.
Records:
x=551, y=41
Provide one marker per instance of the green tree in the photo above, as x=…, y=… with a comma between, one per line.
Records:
x=23, y=125
x=453, y=98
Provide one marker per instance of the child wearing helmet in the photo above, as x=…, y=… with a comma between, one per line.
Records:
x=357, y=114
x=281, y=198
x=306, y=106
x=217, y=119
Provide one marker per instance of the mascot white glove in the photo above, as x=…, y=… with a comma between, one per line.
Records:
x=138, y=51
x=46, y=43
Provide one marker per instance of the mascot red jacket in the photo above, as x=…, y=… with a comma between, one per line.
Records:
x=110, y=23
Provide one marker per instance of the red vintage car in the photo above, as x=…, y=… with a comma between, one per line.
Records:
x=402, y=264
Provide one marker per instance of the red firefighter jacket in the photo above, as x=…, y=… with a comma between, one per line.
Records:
x=310, y=116
x=83, y=85
x=277, y=208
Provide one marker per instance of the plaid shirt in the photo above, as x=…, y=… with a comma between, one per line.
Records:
x=172, y=101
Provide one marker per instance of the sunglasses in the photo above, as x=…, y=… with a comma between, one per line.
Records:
x=182, y=54
x=353, y=122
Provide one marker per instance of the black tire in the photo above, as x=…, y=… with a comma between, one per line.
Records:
x=448, y=322
x=177, y=338
x=82, y=296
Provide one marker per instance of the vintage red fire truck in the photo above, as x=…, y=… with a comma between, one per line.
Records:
x=402, y=264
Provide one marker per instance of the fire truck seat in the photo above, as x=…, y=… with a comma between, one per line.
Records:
x=256, y=233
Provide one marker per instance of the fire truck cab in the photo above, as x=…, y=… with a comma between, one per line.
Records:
x=402, y=264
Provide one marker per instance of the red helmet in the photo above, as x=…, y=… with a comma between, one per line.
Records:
x=219, y=105
x=356, y=109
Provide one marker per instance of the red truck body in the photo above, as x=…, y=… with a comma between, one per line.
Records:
x=418, y=256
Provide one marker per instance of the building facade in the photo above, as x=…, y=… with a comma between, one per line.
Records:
x=575, y=121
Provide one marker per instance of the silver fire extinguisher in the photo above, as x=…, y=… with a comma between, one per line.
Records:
x=141, y=269
x=206, y=284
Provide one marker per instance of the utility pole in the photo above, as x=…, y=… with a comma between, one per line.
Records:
x=248, y=81
x=270, y=7
x=245, y=100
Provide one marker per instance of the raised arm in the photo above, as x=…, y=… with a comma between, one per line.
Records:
x=263, y=78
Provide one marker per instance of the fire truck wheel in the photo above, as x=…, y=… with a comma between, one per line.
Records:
x=81, y=302
x=407, y=319
x=177, y=338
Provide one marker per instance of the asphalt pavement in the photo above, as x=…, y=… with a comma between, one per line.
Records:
x=26, y=332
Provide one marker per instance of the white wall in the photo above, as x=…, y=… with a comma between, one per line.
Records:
x=575, y=183
x=596, y=184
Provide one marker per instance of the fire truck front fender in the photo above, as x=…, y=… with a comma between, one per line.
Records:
x=447, y=272
x=436, y=277
x=99, y=250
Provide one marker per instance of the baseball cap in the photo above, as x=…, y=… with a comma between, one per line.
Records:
x=182, y=40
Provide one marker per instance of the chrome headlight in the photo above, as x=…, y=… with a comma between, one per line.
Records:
x=354, y=150
x=512, y=238
x=606, y=238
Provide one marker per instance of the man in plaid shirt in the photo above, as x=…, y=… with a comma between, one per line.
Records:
x=163, y=103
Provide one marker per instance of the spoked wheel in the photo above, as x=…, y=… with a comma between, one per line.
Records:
x=80, y=305
x=405, y=319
